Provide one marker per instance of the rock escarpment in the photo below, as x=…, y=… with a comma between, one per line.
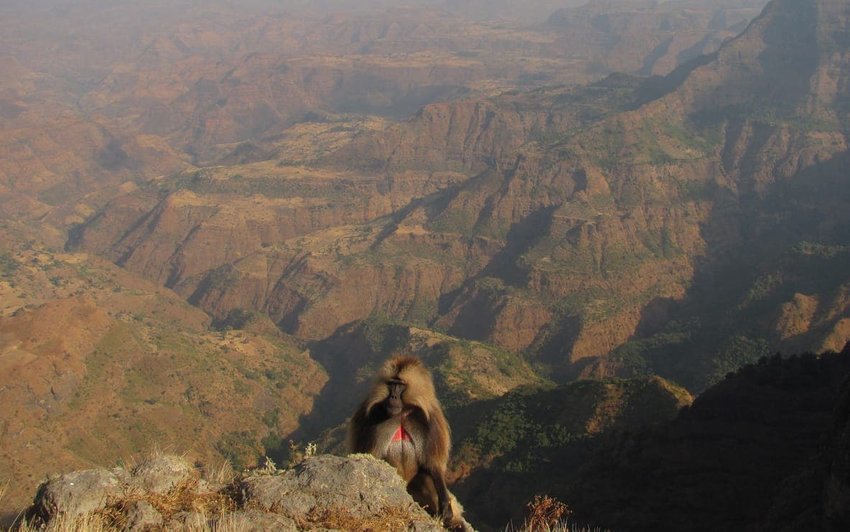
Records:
x=165, y=492
x=560, y=222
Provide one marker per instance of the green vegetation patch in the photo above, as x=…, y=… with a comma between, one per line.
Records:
x=120, y=340
x=384, y=334
x=638, y=357
x=222, y=278
x=513, y=429
x=736, y=353
x=242, y=449
x=819, y=250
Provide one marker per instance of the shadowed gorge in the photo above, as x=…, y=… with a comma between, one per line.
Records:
x=755, y=451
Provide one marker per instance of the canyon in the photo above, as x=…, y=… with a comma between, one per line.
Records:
x=232, y=209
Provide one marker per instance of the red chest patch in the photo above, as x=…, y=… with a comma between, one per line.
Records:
x=401, y=435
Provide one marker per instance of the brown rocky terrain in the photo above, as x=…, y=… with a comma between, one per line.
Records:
x=98, y=365
x=779, y=164
x=516, y=219
x=156, y=102
x=215, y=180
x=570, y=221
x=178, y=84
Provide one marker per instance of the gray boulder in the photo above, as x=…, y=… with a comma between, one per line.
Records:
x=78, y=493
x=359, y=483
x=338, y=492
x=161, y=474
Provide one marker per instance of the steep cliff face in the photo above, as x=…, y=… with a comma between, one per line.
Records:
x=649, y=37
x=808, y=38
x=566, y=222
x=146, y=92
x=468, y=135
x=475, y=134
x=178, y=232
x=773, y=235
x=425, y=251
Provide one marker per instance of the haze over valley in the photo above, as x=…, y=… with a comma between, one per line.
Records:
x=591, y=220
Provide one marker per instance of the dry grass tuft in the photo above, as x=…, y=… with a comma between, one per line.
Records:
x=102, y=523
x=88, y=522
x=182, y=498
x=219, y=473
x=297, y=455
x=545, y=512
x=341, y=519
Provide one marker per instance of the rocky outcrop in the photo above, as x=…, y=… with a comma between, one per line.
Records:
x=76, y=494
x=467, y=135
x=804, y=37
x=165, y=492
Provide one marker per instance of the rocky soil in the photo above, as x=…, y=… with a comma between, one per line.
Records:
x=167, y=493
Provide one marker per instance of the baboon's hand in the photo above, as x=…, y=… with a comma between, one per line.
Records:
x=458, y=524
x=447, y=515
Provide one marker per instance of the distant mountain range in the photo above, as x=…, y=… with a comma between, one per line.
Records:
x=631, y=226
x=205, y=223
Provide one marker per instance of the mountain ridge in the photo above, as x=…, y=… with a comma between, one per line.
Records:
x=552, y=196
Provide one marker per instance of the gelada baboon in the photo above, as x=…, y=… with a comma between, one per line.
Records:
x=401, y=421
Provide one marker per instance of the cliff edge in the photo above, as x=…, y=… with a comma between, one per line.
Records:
x=166, y=492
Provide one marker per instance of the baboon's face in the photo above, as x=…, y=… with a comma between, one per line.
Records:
x=395, y=400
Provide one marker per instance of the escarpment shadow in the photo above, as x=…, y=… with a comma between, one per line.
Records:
x=762, y=249
x=522, y=236
x=747, y=451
